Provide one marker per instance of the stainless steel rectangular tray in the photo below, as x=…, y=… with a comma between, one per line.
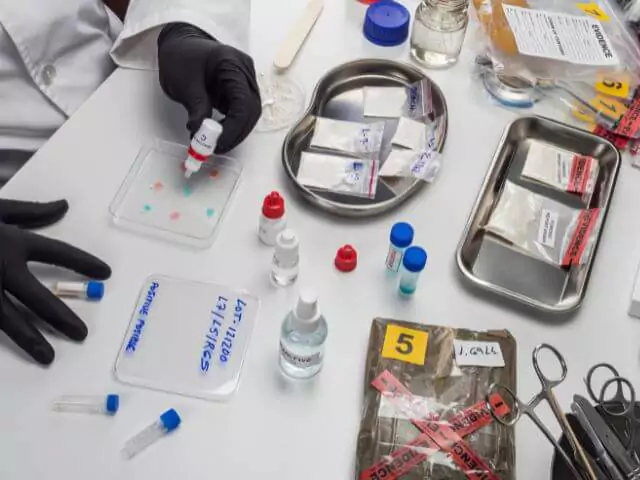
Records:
x=493, y=264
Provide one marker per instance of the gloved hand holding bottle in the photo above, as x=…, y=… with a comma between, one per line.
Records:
x=202, y=74
x=17, y=248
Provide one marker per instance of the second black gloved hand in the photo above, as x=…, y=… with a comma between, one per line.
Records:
x=201, y=73
x=17, y=247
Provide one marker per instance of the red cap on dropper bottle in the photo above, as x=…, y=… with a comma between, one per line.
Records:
x=273, y=206
x=346, y=259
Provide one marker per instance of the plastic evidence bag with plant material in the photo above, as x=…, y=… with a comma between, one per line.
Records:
x=333, y=173
x=424, y=384
x=187, y=337
x=348, y=137
x=544, y=228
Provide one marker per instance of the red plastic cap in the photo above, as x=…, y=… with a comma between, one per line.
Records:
x=346, y=259
x=273, y=206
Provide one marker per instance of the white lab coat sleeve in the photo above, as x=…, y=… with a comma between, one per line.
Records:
x=136, y=47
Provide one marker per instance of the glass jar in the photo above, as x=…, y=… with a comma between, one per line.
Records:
x=439, y=27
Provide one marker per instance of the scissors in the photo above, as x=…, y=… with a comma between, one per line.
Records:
x=520, y=408
x=618, y=405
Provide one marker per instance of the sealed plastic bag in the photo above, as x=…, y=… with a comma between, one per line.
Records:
x=561, y=169
x=424, y=415
x=544, y=228
x=557, y=40
x=422, y=159
x=345, y=175
x=414, y=101
x=348, y=137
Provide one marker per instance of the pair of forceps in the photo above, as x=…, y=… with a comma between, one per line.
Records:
x=520, y=408
x=617, y=405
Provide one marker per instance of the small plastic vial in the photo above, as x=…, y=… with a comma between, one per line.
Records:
x=439, y=28
x=286, y=259
x=413, y=262
x=273, y=219
x=202, y=146
x=302, y=338
x=400, y=238
x=91, y=290
x=167, y=423
x=95, y=404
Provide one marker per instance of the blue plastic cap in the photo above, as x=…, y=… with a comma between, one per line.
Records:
x=387, y=23
x=401, y=235
x=415, y=259
x=95, y=290
x=170, y=420
x=113, y=403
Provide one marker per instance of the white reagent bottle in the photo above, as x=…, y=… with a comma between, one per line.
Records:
x=302, y=338
x=273, y=219
x=202, y=146
x=286, y=259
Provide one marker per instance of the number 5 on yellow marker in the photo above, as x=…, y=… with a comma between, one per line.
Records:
x=614, y=87
x=405, y=344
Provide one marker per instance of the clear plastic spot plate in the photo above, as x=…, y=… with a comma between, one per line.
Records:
x=156, y=198
x=188, y=338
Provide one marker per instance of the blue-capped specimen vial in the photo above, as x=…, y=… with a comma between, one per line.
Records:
x=400, y=238
x=167, y=423
x=413, y=262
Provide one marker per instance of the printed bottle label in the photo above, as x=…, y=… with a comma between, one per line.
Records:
x=394, y=259
x=301, y=361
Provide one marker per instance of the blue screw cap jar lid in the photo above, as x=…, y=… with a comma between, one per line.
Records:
x=401, y=235
x=415, y=259
x=387, y=23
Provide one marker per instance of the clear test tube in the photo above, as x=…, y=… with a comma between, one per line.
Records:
x=96, y=404
x=168, y=422
x=90, y=290
x=413, y=263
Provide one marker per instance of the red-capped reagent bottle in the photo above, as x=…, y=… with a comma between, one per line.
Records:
x=202, y=146
x=273, y=219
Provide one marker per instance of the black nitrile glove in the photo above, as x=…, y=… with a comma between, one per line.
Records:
x=201, y=73
x=17, y=247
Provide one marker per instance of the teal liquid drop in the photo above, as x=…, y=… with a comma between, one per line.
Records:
x=406, y=290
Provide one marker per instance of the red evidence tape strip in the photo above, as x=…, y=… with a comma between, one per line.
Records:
x=618, y=140
x=447, y=436
x=586, y=221
x=630, y=122
x=579, y=175
x=402, y=460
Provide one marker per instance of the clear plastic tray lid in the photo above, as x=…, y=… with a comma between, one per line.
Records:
x=187, y=337
x=156, y=198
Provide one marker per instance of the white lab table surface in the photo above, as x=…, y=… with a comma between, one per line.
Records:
x=274, y=428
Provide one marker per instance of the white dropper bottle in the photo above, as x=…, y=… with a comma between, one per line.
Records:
x=302, y=338
x=202, y=146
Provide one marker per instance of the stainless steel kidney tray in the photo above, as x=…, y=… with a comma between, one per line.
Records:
x=339, y=95
x=494, y=265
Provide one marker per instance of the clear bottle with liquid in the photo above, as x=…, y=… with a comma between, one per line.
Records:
x=286, y=259
x=439, y=27
x=302, y=338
